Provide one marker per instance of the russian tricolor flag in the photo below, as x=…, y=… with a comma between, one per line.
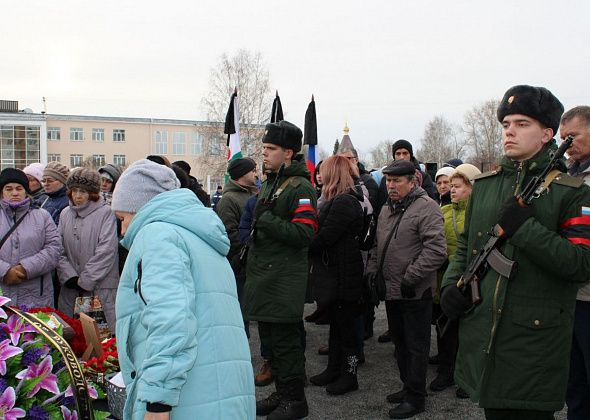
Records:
x=310, y=137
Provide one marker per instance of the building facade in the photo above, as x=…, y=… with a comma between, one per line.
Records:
x=79, y=140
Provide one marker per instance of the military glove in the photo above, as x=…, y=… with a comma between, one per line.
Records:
x=513, y=216
x=407, y=290
x=453, y=302
x=261, y=207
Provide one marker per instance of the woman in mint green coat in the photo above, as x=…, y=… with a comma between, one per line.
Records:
x=182, y=345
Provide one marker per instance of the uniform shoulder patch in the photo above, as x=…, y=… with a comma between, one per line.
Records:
x=568, y=180
x=487, y=174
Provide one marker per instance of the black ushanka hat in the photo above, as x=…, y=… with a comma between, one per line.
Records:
x=283, y=134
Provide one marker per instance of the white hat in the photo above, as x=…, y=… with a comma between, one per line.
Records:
x=446, y=171
x=468, y=170
x=35, y=170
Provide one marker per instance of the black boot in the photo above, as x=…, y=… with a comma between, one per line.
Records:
x=332, y=371
x=347, y=380
x=293, y=404
x=267, y=405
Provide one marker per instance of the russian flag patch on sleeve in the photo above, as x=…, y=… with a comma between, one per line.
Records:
x=303, y=201
x=585, y=211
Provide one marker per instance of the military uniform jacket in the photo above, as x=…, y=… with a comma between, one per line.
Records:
x=514, y=347
x=277, y=267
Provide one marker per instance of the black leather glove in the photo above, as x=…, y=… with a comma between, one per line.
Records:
x=454, y=303
x=261, y=207
x=73, y=284
x=407, y=290
x=513, y=216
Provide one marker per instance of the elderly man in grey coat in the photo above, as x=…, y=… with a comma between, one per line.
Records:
x=410, y=247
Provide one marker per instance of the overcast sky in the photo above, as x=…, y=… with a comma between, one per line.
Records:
x=387, y=67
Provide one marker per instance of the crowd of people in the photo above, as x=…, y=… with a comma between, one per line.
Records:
x=144, y=240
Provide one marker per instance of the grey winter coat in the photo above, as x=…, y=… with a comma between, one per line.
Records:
x=89, y=235
x=416, y=250
x=36, y=245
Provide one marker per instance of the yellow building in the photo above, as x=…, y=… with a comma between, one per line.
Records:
x=74, y=140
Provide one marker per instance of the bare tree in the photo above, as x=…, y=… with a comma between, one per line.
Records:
x=484, y=134
x=381, y=154
x=436, y=143
x=246, y=71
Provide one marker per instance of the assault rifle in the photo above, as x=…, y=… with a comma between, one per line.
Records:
x=269, y=199
x=489, y=255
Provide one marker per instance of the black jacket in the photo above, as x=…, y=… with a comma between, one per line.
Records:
x=337, y=264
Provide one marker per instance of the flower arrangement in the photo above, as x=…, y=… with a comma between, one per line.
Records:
x=34, y=382
x=77, y=343
x=107, y=363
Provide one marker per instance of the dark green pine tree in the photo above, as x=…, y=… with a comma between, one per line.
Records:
x=336, y=146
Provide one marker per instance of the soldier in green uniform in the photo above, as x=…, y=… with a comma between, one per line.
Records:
x=277, y=267
x=514, y=346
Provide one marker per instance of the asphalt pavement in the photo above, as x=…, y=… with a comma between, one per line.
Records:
x=378, y=377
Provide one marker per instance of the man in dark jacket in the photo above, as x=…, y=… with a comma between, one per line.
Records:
x=403, y=150
x=277, y=267
x=514, y=346
x=576, y=122
x=410, y=248
x=237, y=191
x=193, y=184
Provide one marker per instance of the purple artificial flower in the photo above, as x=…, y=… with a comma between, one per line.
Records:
x=92, y=392
x=6, y=352
x=43, y=371
x=58, y=366
x=68, y=401
x=7, y=409
x=38, y=413
x=31, y=356
x=17, y=326
x=69, y=415
x=3, y=301
x=3, y=384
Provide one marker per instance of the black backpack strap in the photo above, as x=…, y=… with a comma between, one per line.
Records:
x=12, y=229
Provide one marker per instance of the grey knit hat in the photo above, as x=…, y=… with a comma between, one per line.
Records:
x=85, y=178
x=141, y=182
x=57, y=171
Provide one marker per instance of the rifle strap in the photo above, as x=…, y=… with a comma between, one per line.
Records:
x=284, y=185
x=548, y=180
x=79, y=388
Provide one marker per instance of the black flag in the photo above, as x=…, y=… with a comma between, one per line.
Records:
x=310, y=130
x=277, y=110
x=230, y=126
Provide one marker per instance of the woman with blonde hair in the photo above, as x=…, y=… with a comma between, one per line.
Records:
x=337, y=270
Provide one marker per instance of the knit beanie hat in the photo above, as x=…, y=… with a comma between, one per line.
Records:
x=35, y=170
x=57, y=171
x=536, y=102
x=240, y=167
x=453, y=163
x=445, y=170
x=85, y=178
x=17, y=176
x=141, y=182
x=469, y=171
x=402, y=144
x=284, y=134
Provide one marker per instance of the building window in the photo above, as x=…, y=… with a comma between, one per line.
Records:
x=119, y=160
x=53, y=157
x=179, y=143
x=118, y=134
x=98, y=135
x=76, y=134
x=19, y=145
x=197, y=144
x=76, y=160
x=99, y=160
x=53, y=133
x=161, y=142
x=214, y=146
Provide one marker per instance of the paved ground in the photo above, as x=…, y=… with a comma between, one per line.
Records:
x=377, y=378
